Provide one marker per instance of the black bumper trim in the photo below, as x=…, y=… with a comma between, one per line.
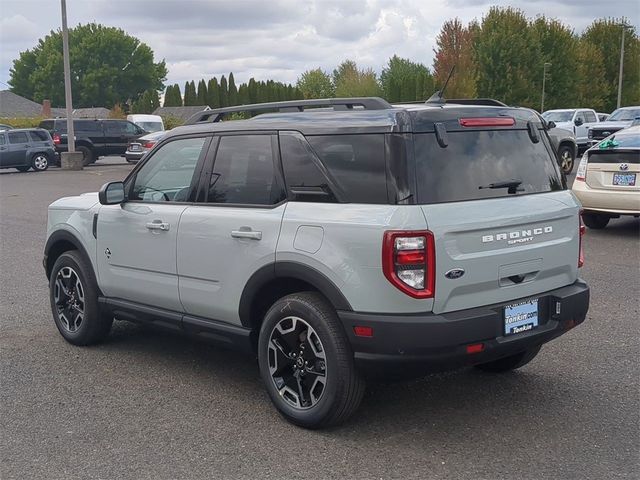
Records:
x=438, y=342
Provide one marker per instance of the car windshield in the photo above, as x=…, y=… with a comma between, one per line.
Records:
x=557, y=116
x=624, y=115
x=150, y=126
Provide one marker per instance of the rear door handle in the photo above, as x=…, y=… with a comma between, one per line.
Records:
x=246, y=234
x=158, y=225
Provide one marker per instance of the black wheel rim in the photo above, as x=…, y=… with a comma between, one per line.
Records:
x=68, y=295
x=297, y=363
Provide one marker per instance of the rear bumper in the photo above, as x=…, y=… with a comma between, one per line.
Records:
x=433, y=342
x=133, y=156
x=621, y=202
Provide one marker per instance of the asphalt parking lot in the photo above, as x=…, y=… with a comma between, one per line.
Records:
x=147, y=404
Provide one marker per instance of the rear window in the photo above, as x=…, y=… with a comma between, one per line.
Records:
x=356, y=164
x=39, y=135
x=476, y=159
x=613, y=156
x=46, y=124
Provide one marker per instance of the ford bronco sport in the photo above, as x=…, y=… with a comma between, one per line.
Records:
x=335, y=243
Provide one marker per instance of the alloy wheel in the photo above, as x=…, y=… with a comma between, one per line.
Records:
x=40, y=162
x=566, y=162
x=69, y=299
x=297, y=362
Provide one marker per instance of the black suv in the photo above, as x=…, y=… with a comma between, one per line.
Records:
x=94, y=138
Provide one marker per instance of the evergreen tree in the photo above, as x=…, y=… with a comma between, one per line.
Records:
x=202, y=93
x=213, y=93
x=190, y=95
x=233, y=91
x=224, y=92
x=252, y=88
x=400, y=78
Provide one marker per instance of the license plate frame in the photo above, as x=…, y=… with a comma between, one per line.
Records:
x=628, y=179
x=135, y=147
x=521, y=317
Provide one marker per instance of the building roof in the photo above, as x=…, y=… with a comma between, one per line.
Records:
x=15, y=106
x=183, y=113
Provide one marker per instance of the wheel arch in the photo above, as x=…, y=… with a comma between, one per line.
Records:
x=277, y=279
x=58, y=243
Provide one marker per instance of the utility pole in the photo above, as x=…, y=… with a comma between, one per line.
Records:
x=544, y=81
x=624, y=27
x=71, y=139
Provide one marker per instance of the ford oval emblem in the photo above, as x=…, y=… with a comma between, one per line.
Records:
x=454, y=273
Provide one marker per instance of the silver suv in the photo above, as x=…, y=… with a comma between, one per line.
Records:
x=336, y=243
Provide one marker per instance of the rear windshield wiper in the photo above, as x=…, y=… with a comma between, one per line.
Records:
x=512, y=185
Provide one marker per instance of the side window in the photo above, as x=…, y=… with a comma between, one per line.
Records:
x=580, y=116
x=113, y=128
x=356, y=163
x=244, y=173
x=167, y=175
x=18, y=137
x=305, y=179
x=130, y=128
x=590, y=116
x=38, y=136
x=2, y=140
x=90, y=126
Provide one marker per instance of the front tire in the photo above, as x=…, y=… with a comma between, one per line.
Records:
x=87, y=155
x=306, y=362
x=566, y=158
x=597, y=221
x=73, y=293
x=512, y=362
x=39, y=162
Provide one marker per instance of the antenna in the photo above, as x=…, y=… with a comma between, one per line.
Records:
x=438, y=97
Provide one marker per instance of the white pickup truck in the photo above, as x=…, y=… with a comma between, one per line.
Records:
x=576, y=120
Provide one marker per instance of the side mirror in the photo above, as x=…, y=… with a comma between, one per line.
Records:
x=578, y=122
x=551, y=125
x=111, y=193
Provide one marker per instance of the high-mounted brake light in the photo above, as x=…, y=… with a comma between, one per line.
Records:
x=582, y=230
x=487, y=122
x=409, y=262
x=56, y=139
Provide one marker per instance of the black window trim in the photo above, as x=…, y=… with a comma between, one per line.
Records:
x=207, y=171
x=129, y=181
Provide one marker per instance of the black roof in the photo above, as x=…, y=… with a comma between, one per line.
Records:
x=419, y=117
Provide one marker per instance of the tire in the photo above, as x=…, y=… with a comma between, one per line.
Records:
x=507, y=364
x=73, y=293
x=597, y=221
x=87, y=155
x=23, y=169
x=566, y=158
x=39, y=162
x=321, y=387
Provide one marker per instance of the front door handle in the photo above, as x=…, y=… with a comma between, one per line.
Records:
x=246, y=234
x=158, y=225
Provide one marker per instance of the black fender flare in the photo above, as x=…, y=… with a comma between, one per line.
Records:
x=57, y=237
x=285, y=269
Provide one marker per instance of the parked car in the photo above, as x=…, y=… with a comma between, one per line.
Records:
x=333, y=244
x=25, y=148
x=564, y=142
x=139, y=147
x=5, y=127
x=608, y=178
x=602, y=116
x=573, y=119
x=94, y=138
x=619, y=119
x=149, y=123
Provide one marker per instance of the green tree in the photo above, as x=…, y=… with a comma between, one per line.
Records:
x=147, y=103
x=108, y=66
x=403, y=80
x=252, y=88
x=508, y=58
x=172, y=97
x=454, y=47
x=315, y=84
x=605, y=34
x=213, y=93
x=233, y=91
x=224, y=92
x=349, y=81
x=202, y=93
x=591, y=84
x=190, y=94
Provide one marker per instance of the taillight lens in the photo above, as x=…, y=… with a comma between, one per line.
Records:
x=408, y=262
x=148, y=144
x=582, y=230
x=581, y=173
x=56, y=139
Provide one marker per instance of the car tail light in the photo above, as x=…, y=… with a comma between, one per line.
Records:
x=56, y=139
x=408, y=262
x=148, y=144
x=582, y=230
x=487, y=122
x=581, y=173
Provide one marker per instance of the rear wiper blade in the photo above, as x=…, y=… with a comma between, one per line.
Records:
x=512, y=185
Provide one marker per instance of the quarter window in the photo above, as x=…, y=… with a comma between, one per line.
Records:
x=590, y=116
x=18, y=137
x=243, y=172
x=167, y=175
x=39, y=136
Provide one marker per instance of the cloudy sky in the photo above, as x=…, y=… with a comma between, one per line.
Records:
x=276, y=39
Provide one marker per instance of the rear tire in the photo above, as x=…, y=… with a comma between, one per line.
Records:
x=87, y=155
x=73, y=293
x=306, y=362
x=566, y=158
x=23, y=169
x=512, y=362
x=39, y=162
x=597, y=221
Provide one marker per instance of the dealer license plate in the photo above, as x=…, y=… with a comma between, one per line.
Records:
x=624, y=179
x=520, y=317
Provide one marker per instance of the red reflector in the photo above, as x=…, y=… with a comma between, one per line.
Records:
x=363, y=331
x=411, y=257
x=487, y=122
x=475, y=348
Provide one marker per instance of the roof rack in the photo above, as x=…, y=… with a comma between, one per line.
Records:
x=217, y=114
x=490, y=102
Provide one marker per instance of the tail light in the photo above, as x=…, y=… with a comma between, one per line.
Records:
x=56, y=139
x=148, y=144
x=581, y=173
x=487, y=122
x=582, y=230
x=408, y=262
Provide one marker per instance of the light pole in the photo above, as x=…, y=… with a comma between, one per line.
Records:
x=71, y=139
x=624, y=28
x=544, y=82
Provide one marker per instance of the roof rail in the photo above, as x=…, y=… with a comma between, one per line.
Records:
x=217, y=114
x=490, y=102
